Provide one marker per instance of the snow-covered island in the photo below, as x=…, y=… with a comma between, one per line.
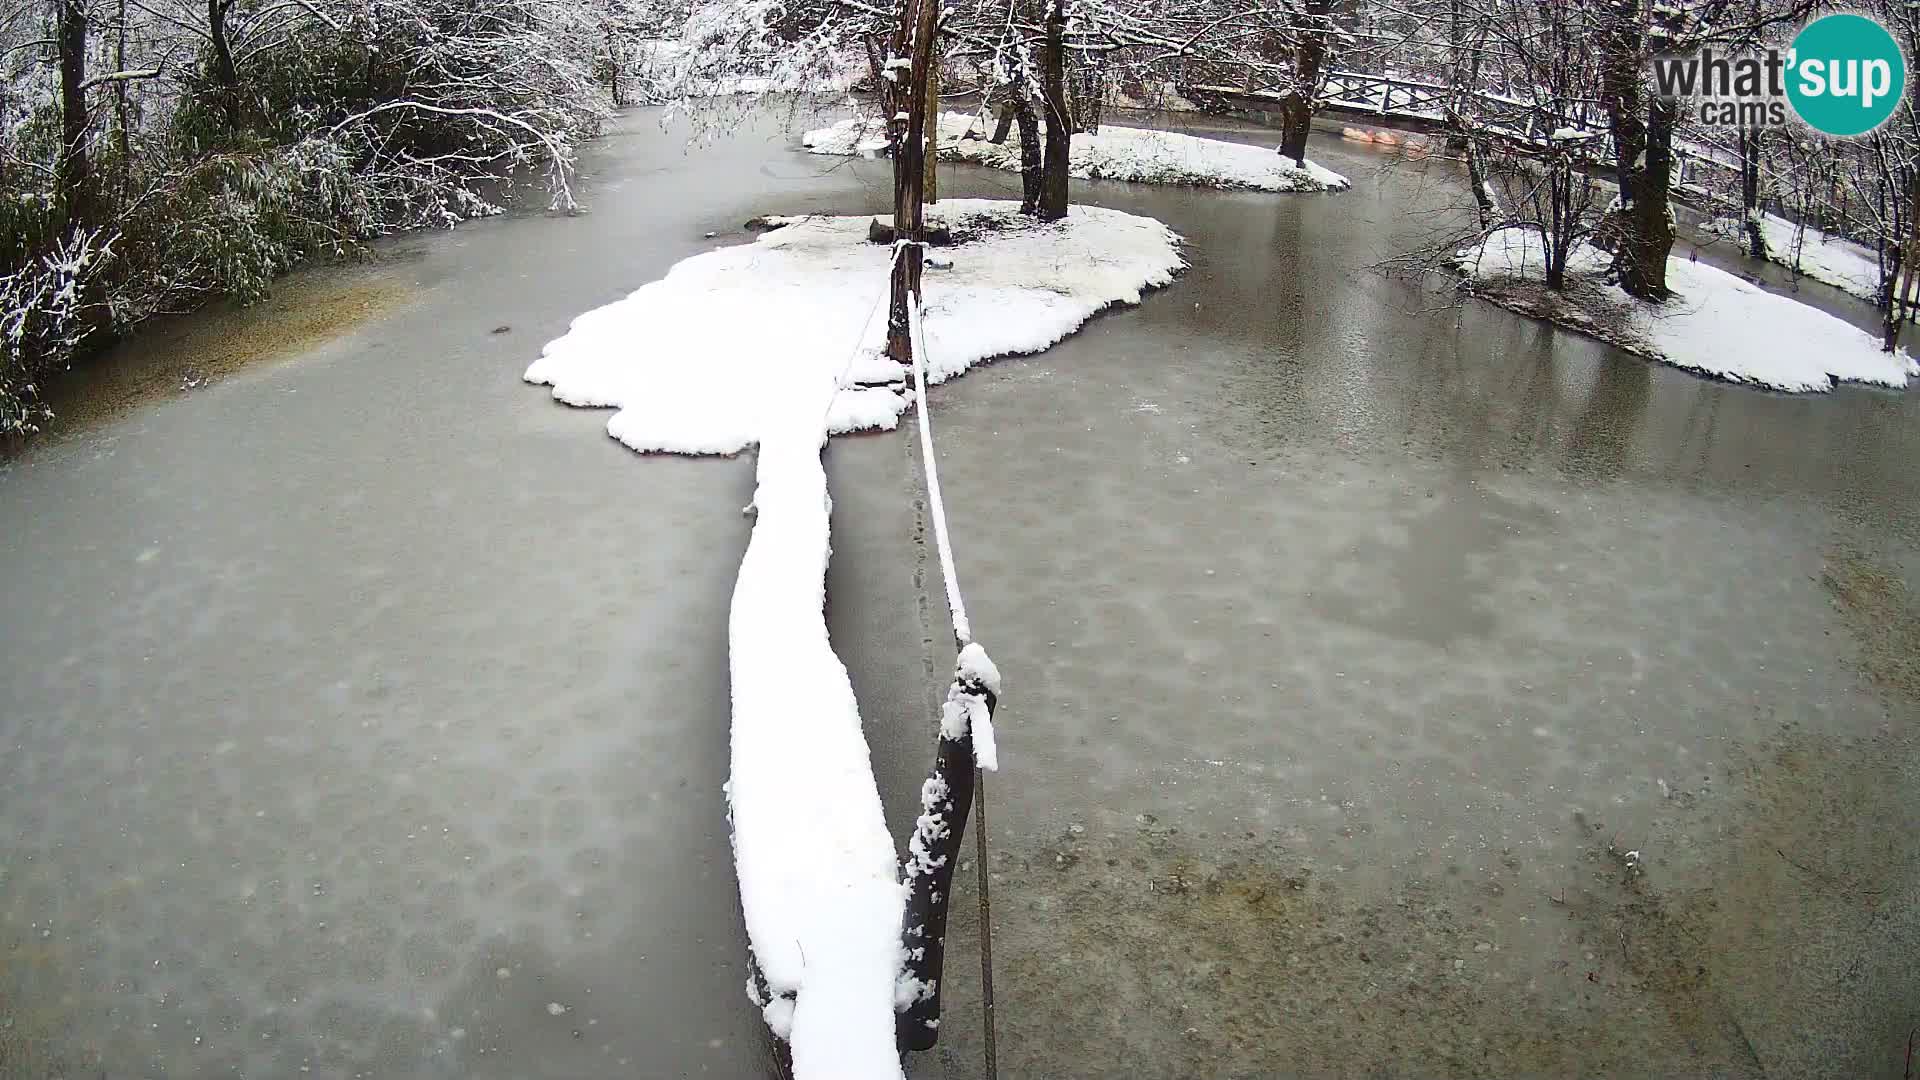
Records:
x=1716, y=324
x=707, y=358
x=1139, y=155
x=776, y=344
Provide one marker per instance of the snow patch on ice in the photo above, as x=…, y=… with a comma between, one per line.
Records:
x=702, y=360
x=1716, y=323
x=1140, y=155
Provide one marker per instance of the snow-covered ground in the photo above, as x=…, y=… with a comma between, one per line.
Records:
x=1716, y=323
x=668, y=69
x=701, y=361
x=769, y=344
x=1835, y=260
x=1140, y=155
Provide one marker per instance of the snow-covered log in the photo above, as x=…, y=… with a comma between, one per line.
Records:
x=818, y=884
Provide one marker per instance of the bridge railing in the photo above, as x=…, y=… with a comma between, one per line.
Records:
x=1395, y=101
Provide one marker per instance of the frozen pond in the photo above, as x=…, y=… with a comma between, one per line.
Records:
x=365, y=713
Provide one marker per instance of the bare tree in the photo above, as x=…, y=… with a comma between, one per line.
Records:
x=75, y=170
x=1642, y=126
x=1310, y=51
x=1055, y=165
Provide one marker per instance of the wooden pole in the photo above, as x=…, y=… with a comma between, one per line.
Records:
x=910, y=175
x=933, y=125
x=946, y=801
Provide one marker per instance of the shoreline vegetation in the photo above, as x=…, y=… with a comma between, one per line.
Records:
x=156, y=158
x=180, y=354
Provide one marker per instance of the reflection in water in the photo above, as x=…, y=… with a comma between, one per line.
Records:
x=1604, y=432
x=1426, y=576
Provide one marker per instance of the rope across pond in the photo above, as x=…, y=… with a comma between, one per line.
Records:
x=966, y=751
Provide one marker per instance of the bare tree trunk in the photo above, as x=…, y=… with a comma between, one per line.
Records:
x=1910, y=302
x=1031, y=180
x=1464, y=78
x=917, y=26
x=74, y=173
x=225, y=76
x=1085, y=88
x=1750, y=190
x=1903, y=275
x=1296, y=111
x=1620, y=92
x=895, y=87
x=876, y=67
x=616, y=66
x=1559, y=241
x=1087, y=114
x=1477, y=176
x=1055, y=168
x=1893, y=315
x=1902, y=296
x=74, y=179
x=1002, y=123
x=1648, y=236
x=122, y=114
x=1643, y=157
x=932, y=150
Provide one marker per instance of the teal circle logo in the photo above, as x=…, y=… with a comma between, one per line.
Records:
x=1846, y=74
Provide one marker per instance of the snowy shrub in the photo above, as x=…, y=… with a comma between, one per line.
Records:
x=222, y=144
x=43, y=320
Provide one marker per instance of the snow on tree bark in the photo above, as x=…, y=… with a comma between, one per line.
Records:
x=914, y=38
x=1056, y=165
x=1296, y=109
x=1643, y=129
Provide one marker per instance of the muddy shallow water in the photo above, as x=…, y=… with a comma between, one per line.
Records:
x=181, y=354
x=1355, y=646
x=365, y=712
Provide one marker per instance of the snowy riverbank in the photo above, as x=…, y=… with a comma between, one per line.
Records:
x=1834, y=260
x=1139, y=155
x=776, y=343
x=1716, y=324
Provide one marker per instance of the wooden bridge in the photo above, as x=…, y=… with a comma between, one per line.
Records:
x=1386, y=101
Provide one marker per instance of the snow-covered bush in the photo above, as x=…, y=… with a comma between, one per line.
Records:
x=43, y=315
x=220, y=144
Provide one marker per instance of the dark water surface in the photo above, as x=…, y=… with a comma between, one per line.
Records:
x=365, y=713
